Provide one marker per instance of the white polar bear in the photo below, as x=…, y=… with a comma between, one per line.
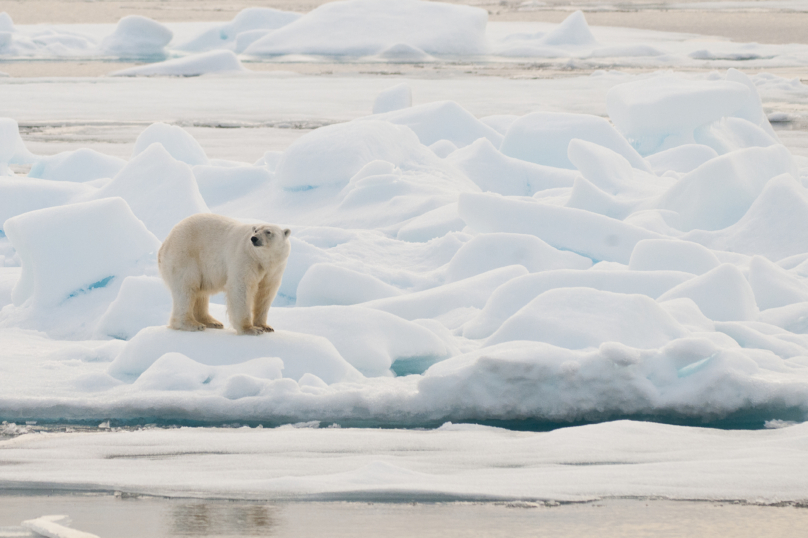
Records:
x=205, y=254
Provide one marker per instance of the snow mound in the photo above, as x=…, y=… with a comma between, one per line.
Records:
x=509, y=298
x=572, y=31
x=395, y=98
x=247, y=20
x=175, y=140
x=773, y=286
x=682, y=159
x=216, y=61
x=329, y=284
x=543, y=137
x=493, y=171
x=468, y=293
x=70, y=250
x=80, y=165
x=722, y=294
x=143, y=301
x=370, y=340
x=160, y=190
x=343, y=150
x=718, y=193
x=403, y=53
x=595, y=236
x=221, y=184
x=137, y=37
x=6, y=24
x=490, y=251
x=650, y=110
x=673, y=255
x=368, y=27
x=432, y=224
x=577, y=318
x=21, y=195
x=10, y=143
x=301, y=354
x=768, y=226
x=442, y=120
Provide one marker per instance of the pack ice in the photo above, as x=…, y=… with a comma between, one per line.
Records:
x=559, y=268
x=404, y=31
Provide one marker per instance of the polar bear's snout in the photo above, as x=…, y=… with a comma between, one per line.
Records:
x=255, y=241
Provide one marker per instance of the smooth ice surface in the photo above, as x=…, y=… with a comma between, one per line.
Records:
x=454, y=462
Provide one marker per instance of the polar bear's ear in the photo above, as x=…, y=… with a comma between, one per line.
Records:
x=286, y=232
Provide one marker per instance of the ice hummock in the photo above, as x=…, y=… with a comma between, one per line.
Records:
x=369, y=27
x=411, y=31
x=545, y=268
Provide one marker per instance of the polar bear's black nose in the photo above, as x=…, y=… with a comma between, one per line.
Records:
x=254, y=240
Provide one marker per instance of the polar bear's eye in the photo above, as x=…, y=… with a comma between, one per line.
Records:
x=269, y=233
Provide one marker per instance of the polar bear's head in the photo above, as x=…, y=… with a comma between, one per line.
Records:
x=271, y=237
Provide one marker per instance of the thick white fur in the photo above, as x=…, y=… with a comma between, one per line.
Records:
x=205, y=254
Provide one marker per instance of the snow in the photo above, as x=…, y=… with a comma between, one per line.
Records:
x=217, y=61
x=543, y=138
x=81, y=165
x=394, y=98
x=369, y=27
x=53, y=527
x=295, y=353
x=249, y=21
x=65, y=252
x=175, y=140
x=138, y=37
x=160, y=190
x=527, y=253
x=419, y=284
x=456, y=462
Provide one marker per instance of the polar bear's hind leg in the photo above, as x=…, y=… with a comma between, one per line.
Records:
x=182, y=311
x=201, y=313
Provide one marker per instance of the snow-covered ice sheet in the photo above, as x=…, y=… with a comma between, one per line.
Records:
x=453, y=462
x=405, y=31
x=644, y=268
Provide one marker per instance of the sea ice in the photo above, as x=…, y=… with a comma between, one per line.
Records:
x=217, y=61
x=249, y=20
x=137, y=37
x=368, y=27
x=72, y=249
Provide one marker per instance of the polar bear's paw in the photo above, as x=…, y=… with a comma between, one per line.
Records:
x=212, y=323
x=251, y=330
x=187, y=326
x=265, y=328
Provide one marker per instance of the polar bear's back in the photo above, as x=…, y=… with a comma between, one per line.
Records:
x=199, y=247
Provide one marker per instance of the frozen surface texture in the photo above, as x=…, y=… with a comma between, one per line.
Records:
x=369, y=27
x=529, y=268
x=456, y=462
x=137, y=37
x=402, y=31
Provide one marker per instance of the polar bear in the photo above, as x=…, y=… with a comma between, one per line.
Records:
x=205, y=254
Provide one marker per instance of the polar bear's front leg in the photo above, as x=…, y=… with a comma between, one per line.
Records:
x=239, y=307
x=267, y=290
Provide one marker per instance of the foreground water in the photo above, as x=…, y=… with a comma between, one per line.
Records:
x=134, y=517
